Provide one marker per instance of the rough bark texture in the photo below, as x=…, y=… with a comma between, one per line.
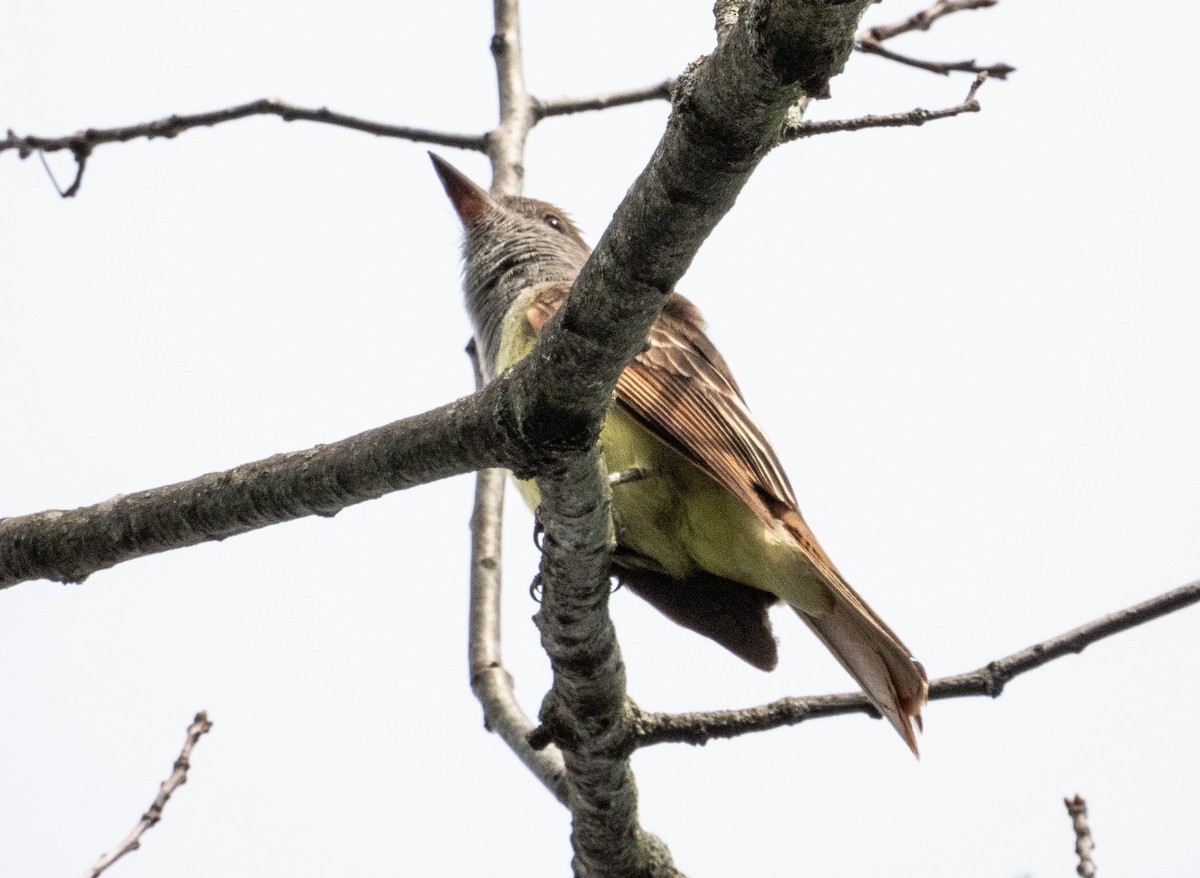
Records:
x=543, y=419
x=68, y=545
x=730, y=110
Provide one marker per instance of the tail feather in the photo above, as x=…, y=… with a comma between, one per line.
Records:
x=867, y=648
x=890, y=677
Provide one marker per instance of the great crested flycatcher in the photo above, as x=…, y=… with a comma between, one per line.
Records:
x=709, y=531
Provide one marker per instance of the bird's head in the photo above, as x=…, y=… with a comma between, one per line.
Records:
x=509, y=242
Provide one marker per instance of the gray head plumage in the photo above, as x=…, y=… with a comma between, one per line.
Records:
x=509, y=244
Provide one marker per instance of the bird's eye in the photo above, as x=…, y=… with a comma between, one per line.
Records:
x=554, y=222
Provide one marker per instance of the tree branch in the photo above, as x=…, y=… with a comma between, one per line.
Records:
x=699, y=728
x=585, y=708
x=506, y=145
x=69, y=545
x=178, y=777
x=490, y=681
x=542, y=419
x=82, y=143
x=565, y=106
x=871, y=41
x=729, y=111
x=871, y=46
x=584, y=712
x=1077, y=809
x=915, y=117
x=926, y=17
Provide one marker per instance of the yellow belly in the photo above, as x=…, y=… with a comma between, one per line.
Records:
x=680, y=520
x=676, y=518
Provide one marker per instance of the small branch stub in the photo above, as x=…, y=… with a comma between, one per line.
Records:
x=1077, y=809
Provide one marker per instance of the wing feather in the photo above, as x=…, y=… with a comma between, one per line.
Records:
x=682, y=391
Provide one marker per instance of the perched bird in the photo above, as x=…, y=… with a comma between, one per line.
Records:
x=708, y=529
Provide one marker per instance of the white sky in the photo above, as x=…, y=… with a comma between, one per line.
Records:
x=980, y=368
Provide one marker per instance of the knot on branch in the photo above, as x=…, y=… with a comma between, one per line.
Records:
x=994, y=680
x=543, y=427
x=603, y=734
x=806, y=43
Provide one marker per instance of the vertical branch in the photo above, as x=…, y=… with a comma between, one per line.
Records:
x=506, y=145
x=1077, y=808
x=586, y=711
x=490, y=681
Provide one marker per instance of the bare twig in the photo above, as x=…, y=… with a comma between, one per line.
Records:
x=83, y=142
x=915, y=117
x=1077, y=809
x=871, y=41
x=490, y=681
x=506, y=145
x=926, y=17
x=174, y=781
x=871, y=46
x=565, y=106
x=699, y=728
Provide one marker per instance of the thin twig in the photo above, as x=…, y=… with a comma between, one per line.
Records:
x=926, y=17
x=82, y=143
x=1077, y=808
x=915, y=117
x=174, y=781
x=490, y=680
x=699, y=728
x=871, y=41
x=565, y=106
x=870, y=46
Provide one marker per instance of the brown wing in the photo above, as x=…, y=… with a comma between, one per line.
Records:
x=682, y=391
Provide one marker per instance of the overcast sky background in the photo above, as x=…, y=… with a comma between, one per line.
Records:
x=973, y=344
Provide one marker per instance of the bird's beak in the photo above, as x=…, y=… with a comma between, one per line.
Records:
x=469, y=200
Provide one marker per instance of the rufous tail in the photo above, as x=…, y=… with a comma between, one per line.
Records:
x=893, y=680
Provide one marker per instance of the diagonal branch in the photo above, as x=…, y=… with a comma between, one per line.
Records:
x=67, y=545
x=565, y=106
x=871, y=41
x=178, y=777
x=699, y=728
x=585, y=709
x=871, y=46
x=729, y=111
x=82, y=143
x=915, y=118
x=926, y=17
x=543, y=418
